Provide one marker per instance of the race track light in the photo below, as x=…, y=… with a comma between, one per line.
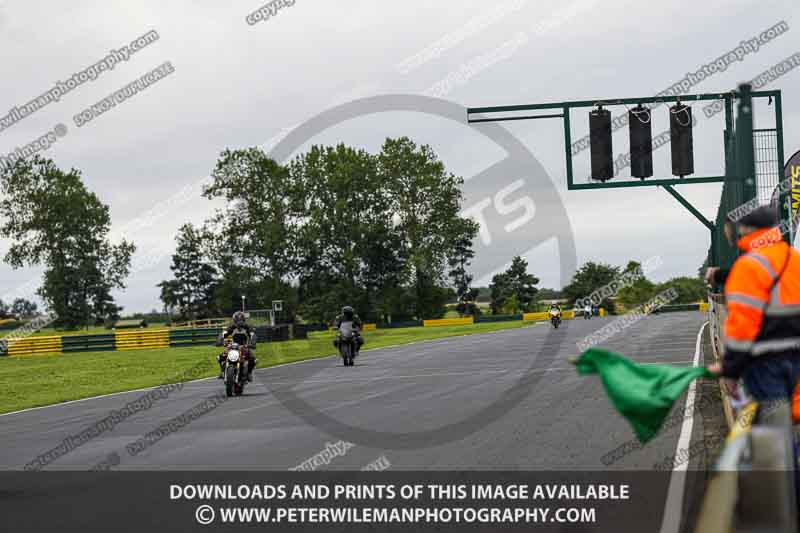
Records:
x=600, y=144
x=680, y=132
x=641, y=137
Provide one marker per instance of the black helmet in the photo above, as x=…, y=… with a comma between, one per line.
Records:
x=762, y=217
x=238, y=318
x=348, y=312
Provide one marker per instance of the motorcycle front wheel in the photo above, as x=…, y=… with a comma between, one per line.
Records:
x=230, y=379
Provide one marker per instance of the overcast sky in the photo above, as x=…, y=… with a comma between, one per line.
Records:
x=239, y=84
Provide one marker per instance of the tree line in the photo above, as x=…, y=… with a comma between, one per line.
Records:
x=514, y=291
x=336, y=225
x=591, y=276
x=18, y=308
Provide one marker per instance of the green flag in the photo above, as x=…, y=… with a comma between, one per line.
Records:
x=643, y=394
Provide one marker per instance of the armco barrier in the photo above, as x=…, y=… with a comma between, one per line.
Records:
x=498, y=318
x=448, y=322
x=677, y=308
x=753, y=488
x=142, y=339
x=193, y=336
x=299, y=331
x=88, y=343
x=401, y=324
x=34, y=345
x=273, y=333
x=544, y=315
x=205, y=323
x=11, y=323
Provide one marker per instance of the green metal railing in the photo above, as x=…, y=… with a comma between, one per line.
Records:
x=768, y=166
x=753, y=167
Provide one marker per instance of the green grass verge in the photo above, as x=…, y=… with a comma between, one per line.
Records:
x=36, y=380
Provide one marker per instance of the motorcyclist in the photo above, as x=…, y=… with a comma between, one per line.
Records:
x=244, y=335
x=555, y=314
x=587, y=310
x=349, y=315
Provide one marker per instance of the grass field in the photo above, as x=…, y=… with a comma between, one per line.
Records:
x=32, y=381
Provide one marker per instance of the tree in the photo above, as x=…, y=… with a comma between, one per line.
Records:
x=195, y=280
x=347, y=250
x=459, y=261
x=689, y=289
x=426, y=201
x=640, y=290
x=522, y=284
x=338, y=226
x=589, y=278
x=384, y=275
x=56, y=222
x=500, y=293
x=170, y=296
x=550, y=294
x=254, y=237
x=514, y=290
x=484, y=294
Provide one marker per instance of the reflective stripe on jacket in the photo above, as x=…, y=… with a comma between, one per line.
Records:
x=762, y=293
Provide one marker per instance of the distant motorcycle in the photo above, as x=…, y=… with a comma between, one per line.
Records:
x=235, y=371
x=555, y=319
x=587, y=313
x=346, y=342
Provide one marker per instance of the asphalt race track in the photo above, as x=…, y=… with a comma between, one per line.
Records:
x=564, y=421
x=506, y=401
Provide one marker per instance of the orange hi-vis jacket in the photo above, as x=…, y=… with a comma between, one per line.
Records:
x=762, y=293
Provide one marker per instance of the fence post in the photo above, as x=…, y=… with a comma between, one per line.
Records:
x=745, y=158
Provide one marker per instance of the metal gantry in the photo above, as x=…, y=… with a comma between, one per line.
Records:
x=739, y=176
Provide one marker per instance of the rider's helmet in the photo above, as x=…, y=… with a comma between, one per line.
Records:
x=553, y=305
x=347, y=312
x=238, y=318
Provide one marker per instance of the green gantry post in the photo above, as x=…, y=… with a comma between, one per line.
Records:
x=745, y=159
